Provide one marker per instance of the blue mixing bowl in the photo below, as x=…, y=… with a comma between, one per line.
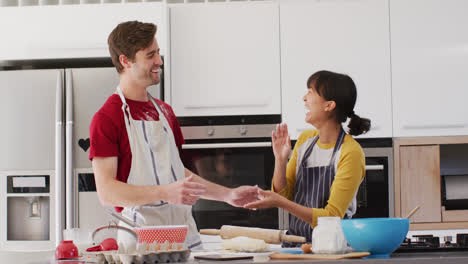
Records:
x=379, y=236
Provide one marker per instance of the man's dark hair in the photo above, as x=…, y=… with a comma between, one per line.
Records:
x=128, y=38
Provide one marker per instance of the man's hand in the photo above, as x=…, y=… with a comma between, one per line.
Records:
x=184, y=191
x=242, y=195
x=268, y=199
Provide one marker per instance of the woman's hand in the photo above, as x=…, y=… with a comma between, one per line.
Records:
x=281, y=142
x=242, y=195
x=268, y=199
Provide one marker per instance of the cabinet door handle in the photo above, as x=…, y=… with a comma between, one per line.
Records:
x=69, y=182
x=434, y=126
x=374, y=167
x=226, y=145
x=59, y=158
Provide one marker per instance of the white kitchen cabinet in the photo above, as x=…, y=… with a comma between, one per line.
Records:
x=70, y=31
x=429, y=44
x=350, y=37
x=224, y=59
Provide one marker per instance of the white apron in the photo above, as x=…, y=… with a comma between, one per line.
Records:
x=156, y=161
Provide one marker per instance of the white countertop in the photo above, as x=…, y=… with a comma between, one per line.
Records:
x=211, y=244
x=22, y=257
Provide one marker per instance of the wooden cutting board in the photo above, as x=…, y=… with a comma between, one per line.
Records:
x=278, y=255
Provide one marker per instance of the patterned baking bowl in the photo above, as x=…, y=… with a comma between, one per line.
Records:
x=161, y=234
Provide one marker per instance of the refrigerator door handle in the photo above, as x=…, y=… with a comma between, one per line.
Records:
x=70, y=183
x=59, y=158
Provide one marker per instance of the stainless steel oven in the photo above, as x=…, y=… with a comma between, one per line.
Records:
x=231, y=151
x=375, y=197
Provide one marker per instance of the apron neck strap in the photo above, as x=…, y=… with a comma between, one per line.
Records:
x=124, y=103
x=126, y=109
x=162, y=117
x=155, y=103
x=338, y=143
x=122, y=97
x=309, y=150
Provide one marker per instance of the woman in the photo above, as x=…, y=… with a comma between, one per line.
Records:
x=327, y=165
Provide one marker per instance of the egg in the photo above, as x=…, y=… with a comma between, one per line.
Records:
x=306, y=248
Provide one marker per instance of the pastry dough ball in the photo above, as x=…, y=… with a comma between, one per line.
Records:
x=245, y=244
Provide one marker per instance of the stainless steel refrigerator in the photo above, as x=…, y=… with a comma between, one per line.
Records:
x=44, y=136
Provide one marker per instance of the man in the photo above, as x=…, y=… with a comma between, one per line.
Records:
x=135, y=140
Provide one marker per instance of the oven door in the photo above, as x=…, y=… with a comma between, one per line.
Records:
x=375, y=195
x=232, y=165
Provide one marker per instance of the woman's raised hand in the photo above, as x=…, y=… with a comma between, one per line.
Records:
x=281, y=142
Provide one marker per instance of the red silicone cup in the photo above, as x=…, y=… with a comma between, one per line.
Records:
x=106, y=245
x=66, y=250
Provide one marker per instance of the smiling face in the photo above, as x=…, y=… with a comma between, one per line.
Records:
x=146, y=67
x=318, y=110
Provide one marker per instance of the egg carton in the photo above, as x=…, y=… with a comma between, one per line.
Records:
x=113, y=257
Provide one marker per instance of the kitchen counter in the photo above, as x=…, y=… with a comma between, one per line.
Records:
x=402, y=258
x=212, y=246
x=23, y=257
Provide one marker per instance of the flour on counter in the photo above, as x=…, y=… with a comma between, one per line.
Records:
x=245, y=244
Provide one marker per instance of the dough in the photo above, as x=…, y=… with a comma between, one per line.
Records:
x=245, y=244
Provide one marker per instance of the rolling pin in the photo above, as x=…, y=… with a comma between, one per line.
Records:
x=270, y=236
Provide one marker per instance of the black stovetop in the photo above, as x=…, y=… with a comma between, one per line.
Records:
x=430, y=243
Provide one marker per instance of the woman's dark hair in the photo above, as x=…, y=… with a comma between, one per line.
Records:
x=341, y=89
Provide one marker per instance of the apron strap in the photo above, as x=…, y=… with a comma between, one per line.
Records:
x=127, y=119
x=124, y=102
x=307, y=152
x=162, y=117
x=309, y=149
x=338, y=143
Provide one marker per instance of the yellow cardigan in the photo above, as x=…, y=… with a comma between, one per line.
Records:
x=349, y=174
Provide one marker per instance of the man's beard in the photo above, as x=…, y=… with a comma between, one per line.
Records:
x=155, y=81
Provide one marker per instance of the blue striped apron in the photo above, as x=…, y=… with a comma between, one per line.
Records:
x=312, y=189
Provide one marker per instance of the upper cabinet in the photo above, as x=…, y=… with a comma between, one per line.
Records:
x=224, y=59
x=346, y=36
x=429, y=43
x=70, y=31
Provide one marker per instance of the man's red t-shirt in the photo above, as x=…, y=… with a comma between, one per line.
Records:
x=108, y=135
